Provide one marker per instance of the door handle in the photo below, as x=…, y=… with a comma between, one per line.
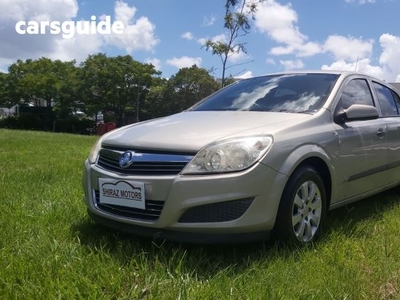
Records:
x=381, y=132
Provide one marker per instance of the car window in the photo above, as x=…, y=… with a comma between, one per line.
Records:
x=293, y=93
x=386, y=99
x=397, y=100
x=356, y=92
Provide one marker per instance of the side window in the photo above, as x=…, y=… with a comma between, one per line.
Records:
x=386, y=100
x=396, y=99
x=356, y=92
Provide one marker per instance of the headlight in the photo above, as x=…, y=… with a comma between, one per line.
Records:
x=229, y=155
x=95, y=151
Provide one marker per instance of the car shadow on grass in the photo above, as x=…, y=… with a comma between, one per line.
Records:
x=208, y=260
x=352, y=218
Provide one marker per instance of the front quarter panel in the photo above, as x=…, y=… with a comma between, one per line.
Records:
x=292, y=149
x=303, y=153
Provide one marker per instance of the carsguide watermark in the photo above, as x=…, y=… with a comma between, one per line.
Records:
x=68, y=29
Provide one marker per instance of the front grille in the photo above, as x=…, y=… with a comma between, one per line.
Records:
x=216, y=212
x=150, y=213
x=144, y=163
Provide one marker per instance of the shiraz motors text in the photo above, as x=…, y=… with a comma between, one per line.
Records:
x=122, y=194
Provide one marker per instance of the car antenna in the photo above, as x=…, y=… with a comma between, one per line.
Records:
x=356, y=65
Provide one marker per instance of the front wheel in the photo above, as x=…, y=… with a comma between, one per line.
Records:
x=302, y=208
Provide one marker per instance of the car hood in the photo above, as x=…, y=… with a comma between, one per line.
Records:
x=190, y=131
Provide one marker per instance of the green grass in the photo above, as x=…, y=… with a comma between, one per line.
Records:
x=50, y=249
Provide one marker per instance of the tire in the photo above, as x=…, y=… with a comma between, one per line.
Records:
x=302, y=209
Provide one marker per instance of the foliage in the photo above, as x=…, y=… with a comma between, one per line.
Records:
x=68, y=98
x=123, y=89
x=5, y=91
x=41, y=81
x=158, y=100
x=236, y=22
x=189, y=86
x=43, y=122
x=116, y=84
x=50, y=249
x=179, y=92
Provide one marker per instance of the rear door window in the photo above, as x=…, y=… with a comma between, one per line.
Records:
x=386, y=100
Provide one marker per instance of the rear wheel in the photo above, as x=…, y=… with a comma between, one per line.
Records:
x=302, y=208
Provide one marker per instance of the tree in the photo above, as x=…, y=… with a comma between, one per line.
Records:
x=41, y=81
x=5, y=91
x=93, y=80
x=115, y=84
x=236, y=21
x=189, y=86
x=21, y=81
x=158, y=101
x=182, y=90
x=67, y=99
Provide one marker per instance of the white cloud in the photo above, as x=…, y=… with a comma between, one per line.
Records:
x=236, y=57
x=390, y=57
x=217, y=38
x=360, y=1
x=388, y=68
x=202, y=41
x=187, y=36
x=78, y=47
x=247, y=74
x=155, y=62
x=308, y=49
x=270, y=61
x=279, y=23
x=220, y=38
x=138, y=34
x=14, y=46
x=184, y=62
x=209, y=20
x=348, y=48
x=25, y=10
x=363, y=66
x=292, y=64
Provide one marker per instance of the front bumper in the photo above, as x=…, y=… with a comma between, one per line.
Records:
x=230, y=207
x=181, y=236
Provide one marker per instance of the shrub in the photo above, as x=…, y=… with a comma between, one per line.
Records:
x=70, y=124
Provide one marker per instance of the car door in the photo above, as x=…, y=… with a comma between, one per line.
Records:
x=389, y=102
x=362, y=149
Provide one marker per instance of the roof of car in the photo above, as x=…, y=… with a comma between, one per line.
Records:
x=339, y=72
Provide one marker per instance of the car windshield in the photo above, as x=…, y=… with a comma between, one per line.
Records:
x=292, y=93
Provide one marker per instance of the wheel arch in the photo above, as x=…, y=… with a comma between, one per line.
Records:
x=315, y=157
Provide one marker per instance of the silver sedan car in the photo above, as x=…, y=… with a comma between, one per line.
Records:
x=268, y=155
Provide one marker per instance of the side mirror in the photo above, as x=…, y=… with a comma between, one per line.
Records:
x=356, y=112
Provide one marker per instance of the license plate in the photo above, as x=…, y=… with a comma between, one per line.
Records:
x=122, y=192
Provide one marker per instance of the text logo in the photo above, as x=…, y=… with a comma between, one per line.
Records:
x=69, y=28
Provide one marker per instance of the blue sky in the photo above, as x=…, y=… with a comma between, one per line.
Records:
x=286, y=35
